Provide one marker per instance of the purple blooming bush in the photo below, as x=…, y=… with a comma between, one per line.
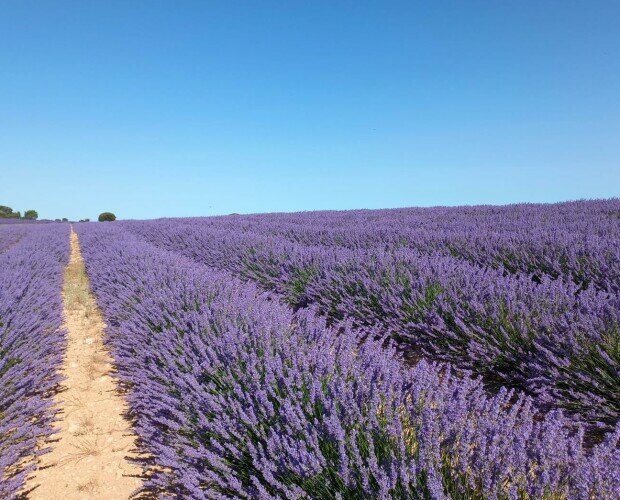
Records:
x=10, y=235
x=577, y=241
x=236, y=395
x=31, y=343
x=555, y=338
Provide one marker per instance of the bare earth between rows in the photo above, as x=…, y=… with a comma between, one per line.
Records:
x=90, y=451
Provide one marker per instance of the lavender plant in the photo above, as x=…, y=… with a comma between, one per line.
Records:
x=10, y=235
x=235, y=395
x=576, y=241
x=31, y=344
x=555, y=338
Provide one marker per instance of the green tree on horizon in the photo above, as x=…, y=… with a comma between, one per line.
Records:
x=107, y=217
x=7, y=213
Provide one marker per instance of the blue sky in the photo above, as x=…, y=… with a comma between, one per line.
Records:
x=150, y=108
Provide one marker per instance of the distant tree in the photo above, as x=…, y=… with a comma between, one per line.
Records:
x=56, y=220
x=64, y=219
x=7, y=213
x=107, y=217
x=31, y=214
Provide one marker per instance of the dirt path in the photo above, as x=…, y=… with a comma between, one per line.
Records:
x=89, y=460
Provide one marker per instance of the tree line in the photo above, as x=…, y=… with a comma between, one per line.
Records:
x=8, y=213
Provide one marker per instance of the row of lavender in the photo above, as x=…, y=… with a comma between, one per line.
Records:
x=550, y=337
x=236, y=395
x=31, y=343
x=576, y=241
x=10, y=235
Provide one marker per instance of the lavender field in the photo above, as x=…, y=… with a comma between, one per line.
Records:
x=468, y=352
x=31, y=341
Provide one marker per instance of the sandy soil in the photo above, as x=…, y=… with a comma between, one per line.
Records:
x=89, y=458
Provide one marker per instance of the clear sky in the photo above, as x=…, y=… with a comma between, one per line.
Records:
x=176, y=108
